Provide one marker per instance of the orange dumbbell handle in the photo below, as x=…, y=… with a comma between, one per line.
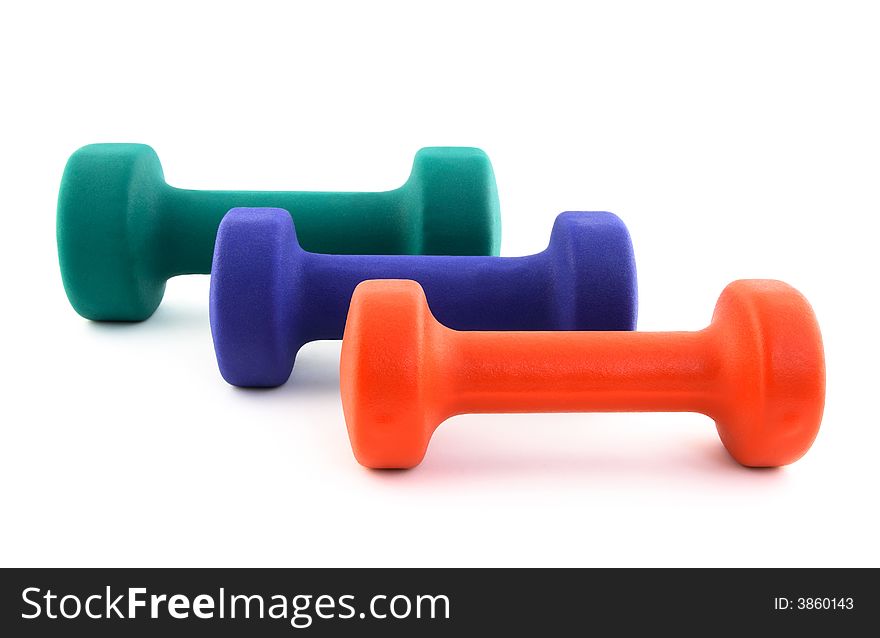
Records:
x=576, y=371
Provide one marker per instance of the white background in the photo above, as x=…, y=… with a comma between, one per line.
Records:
x=735, y=143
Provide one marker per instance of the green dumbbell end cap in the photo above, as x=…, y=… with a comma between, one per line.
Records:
x=108, y=208
x=455, y=190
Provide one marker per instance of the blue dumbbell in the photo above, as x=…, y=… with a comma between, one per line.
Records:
x=269, y=297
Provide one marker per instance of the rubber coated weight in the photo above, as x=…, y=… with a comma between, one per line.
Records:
x=123, y=232
x=758, y=370
x=269, y=296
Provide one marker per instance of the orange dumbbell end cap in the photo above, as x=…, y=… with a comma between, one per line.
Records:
x=768, y=344
x=381, y=377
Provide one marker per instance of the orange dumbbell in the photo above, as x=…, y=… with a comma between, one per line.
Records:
x=758, y=370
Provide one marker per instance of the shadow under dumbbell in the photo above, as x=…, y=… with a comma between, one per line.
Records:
x=316, y=374
x=165, y=319
x=188, y=310
x=317, y=370
x=582, y=448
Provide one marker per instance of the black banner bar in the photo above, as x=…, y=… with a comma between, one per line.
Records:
x=432, y=602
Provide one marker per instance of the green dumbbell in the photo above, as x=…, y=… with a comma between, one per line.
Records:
x=123, y=232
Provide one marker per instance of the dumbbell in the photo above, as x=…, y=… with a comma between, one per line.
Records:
x=758, y=370
x=123, y=232
x=269, y=296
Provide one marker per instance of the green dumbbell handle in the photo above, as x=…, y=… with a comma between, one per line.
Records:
x=374, y=223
